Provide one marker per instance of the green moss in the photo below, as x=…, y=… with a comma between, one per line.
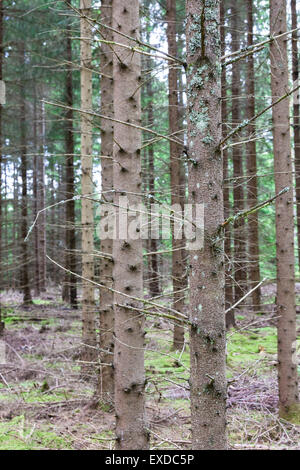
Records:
x=244, y=348
x=291, y=414
x=34, y=392
x=16, y=434
x=161, y=367
x=42, y=302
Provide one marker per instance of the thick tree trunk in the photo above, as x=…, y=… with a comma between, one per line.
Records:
x=253, y=240
x=237, y=156
x=69, y=291
x=296, y=113
x=128, y=268
x=106, y=377
x=175, y=167
x=207, y=313
x=25, y=259
x=286, y=310
x=230, y=321
x=87, y=210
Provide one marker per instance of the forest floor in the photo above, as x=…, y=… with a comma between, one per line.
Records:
x=44, y=403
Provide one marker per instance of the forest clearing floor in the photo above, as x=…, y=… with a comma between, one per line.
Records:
x=44, y=403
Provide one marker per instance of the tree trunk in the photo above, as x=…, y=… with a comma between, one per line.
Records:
x=128, y=268
x=87, y=210
x=106, y=377
x=1, y=220
x=153, y=262
x=69, y=291
x=207, y=313
x=253, y=240
x=286, y=310
x=296, y=113
x=25, y=260
x=35, y=197
x=238, y=193
x=175, y=164
x=41, y=222
x=230, y=321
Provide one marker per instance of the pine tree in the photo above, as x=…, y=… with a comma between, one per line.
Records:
x=207, y=313
x=253, y=240
x=175, y=173
x=237, y=158
x=106, y=377
x=127, y=252
x=296, y=114
x=285, y=300
x=23, y=143
x=87, y=189
x=69, y=290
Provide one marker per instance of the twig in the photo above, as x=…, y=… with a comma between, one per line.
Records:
x=249, y=121
x=254, y=209
x=245, y=296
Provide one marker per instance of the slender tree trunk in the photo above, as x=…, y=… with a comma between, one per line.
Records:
x=238, y=193
x=207, y=313
x=87, y=189
x=153, y=245
x=106, y=377
x=41, y=223
x=128, y=270
x=296, y=113
x=1, y=220
x=286, y=310
x=15, y=227
x=154, y=287
x=24, y=247
x=54, y=237
x=230, y=321
x=175, y=164
x=183, y=184
x=253, y=240
x=35, y=197
x=69, y=291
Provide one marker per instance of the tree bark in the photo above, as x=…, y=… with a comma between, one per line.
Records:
x=253, y=239
x=87, y=210
x=153, y=263
x=1, y=220
x=230, y=321
x=69, y=291
x=207, y=313
x=24, y=248
x=41, y=222
x=175, y=169
x=296, y=115
x=286, y=310
x=128, y=268
x=237, y=156
x=35, y=197
x=106, y=377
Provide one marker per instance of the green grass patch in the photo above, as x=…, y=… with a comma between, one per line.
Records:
x=245, y=348
x=16, y=434
x=42, y=302
x=34, y=392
